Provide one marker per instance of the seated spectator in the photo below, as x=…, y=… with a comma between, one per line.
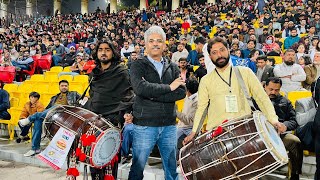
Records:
x=77, y=66
x=58, y=51
x=300, y=50
x=6, y=60
x=264, y=71
x=185, y=69
x=65, y=97
x=250, y=46
x=184, y=41
x=270, y=61
x=202, y=70
x=287, y=116
x=316, y=49
x=193, y=55
x=133, y=57
x=304, y=61
x=188, y=112
x=293, y=38
x=69, y=58
x=236, y=53
x=31, y=107
x=265, y=34
x=291, y=74
x=277, y=38
x=126, y=50
x=181, y=53
x=23, y=62
x=312, y=71
x=270, y=45
x=4, y=103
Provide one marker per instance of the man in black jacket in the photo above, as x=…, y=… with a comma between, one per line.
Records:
x=65, y=97
x=111, y=94
x=287, y=116
x=157, y=86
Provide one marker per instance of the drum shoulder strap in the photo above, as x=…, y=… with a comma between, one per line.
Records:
x=244, y=88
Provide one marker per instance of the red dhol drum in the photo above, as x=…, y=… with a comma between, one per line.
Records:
x=78, y=121
x=248, y=148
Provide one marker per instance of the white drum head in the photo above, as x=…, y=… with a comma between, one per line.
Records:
x=105, y=148
x=271, y=138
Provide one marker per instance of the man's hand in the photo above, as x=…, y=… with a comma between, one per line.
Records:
x=176, y=83
x=128, y=118
x=280, y=127
x=188, y=138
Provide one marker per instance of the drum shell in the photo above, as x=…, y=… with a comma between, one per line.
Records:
x=76, y=119
x=214, y=152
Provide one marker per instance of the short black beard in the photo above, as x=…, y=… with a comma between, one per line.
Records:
x=289, y=63
x=223, y=64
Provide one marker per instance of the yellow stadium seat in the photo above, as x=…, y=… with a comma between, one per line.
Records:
x=42, y=89
x=23, y=101
x=67, y=69
x=303, y=35
x=293, y=96
x=214, y=30
x=69, y=78
x=51, y=73
x=37, y=77
x=78, y=88
x=277, y=59
x=54, y=88
x=81, y=78
x=10, y=87
x=14, y=102
x=51, y=77
x=283, y=93
x=10, y=126
x=193, y=46
x=180, y=104
x=195, y=68
x=46, y=97
x=56, y=69
x=15, y=116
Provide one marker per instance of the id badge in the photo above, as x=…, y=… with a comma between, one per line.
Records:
x=231, y=103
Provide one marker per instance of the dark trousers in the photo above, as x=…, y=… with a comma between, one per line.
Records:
x=5, y=115
x=293, y=145
x=316, y=126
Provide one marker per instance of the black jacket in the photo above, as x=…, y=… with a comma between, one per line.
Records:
x=155, y=102
x=284, y=111
x=72, y=98
x=110, y=91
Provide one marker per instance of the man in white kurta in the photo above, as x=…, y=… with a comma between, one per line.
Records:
x=291, y=74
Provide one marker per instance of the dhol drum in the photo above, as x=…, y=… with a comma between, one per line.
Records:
x=79, y=121
x=247, y=148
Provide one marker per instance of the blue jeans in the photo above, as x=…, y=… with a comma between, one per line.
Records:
x=21, y=66
x=144, y=139
x=56, y=59
x=37, y=120
x=183, y=131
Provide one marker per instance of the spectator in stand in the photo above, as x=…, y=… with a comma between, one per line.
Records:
x=69, y=58
x=193, y=55
x=126, y=50
x=24, y=62
x=172, y=45
x=312, y=71
x=4, y=103
x=58, y=51
x=262, y=38
x=6, y=59
x=300, y=51
x=31, y=107
x=291, y=74
x=316, y=49
x=270, y=45
x=264, y=70
x=133, y=57
x=293, y=38
x=77, y=66
x=185, y=69
x=182, y=52
x=304, y=61
x=202, y=70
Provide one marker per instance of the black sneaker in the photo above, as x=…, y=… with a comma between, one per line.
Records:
x=18, y=140
x=26, y=138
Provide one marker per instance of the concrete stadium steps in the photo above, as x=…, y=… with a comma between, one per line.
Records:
x=9, y=150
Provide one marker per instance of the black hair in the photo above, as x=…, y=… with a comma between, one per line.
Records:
x=200, y=55
x=192, y=85
x=252, y=52
x=183, y=59
x=272, y=60
x=263, y=57
x=116, y=58
x=274, y=80
x=214, y=41
x=254, y=41
x=200, y=40
x=34, y=94
x=63, y=81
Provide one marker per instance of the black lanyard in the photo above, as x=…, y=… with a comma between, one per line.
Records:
x=229, y=84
